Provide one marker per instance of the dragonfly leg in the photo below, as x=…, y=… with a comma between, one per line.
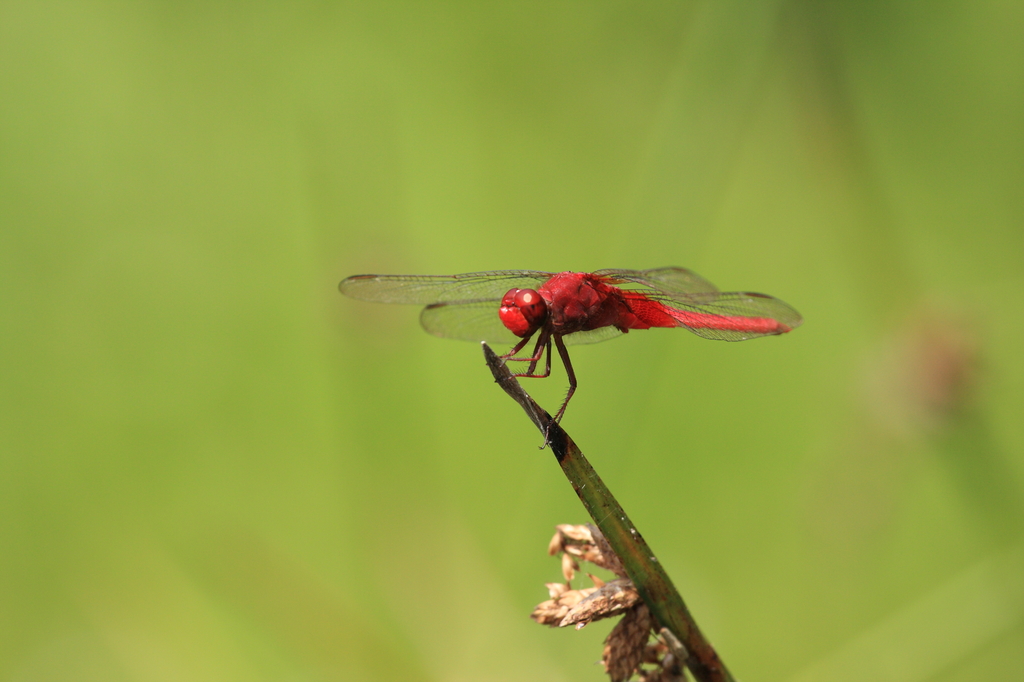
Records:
x=543, y=345
x=547, y=363
x=515, y=349
x=564, y=354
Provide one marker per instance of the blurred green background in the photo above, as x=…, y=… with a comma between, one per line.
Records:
x=214, y=467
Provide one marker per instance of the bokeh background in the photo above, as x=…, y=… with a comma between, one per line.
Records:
x=215, y=467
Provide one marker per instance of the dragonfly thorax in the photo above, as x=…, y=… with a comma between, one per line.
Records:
x=523, y=311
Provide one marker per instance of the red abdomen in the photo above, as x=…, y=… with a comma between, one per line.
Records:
x=657, y=314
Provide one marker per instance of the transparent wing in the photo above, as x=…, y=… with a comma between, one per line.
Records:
x=479, y=321
x=429, y=289
x=667, y=280
x=592, y=336
x=468, y=321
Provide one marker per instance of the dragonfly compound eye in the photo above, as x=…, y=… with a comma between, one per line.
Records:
x=523, y=311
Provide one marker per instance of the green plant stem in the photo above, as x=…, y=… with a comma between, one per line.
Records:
x=642, y=567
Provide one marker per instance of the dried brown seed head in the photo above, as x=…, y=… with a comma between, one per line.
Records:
x=554, y=610
x=624, y=649
x=611, y=599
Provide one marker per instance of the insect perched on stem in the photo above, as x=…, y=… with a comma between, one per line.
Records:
x=514, y=306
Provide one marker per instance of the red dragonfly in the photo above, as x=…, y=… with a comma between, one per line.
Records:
x=574, y=307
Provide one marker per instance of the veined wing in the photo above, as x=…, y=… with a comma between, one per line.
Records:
x=431, y=289
x=469, y=321
x=666, y=280
x=479, y=321
x=591, y=336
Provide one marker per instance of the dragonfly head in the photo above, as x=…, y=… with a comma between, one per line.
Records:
x=523, y=311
